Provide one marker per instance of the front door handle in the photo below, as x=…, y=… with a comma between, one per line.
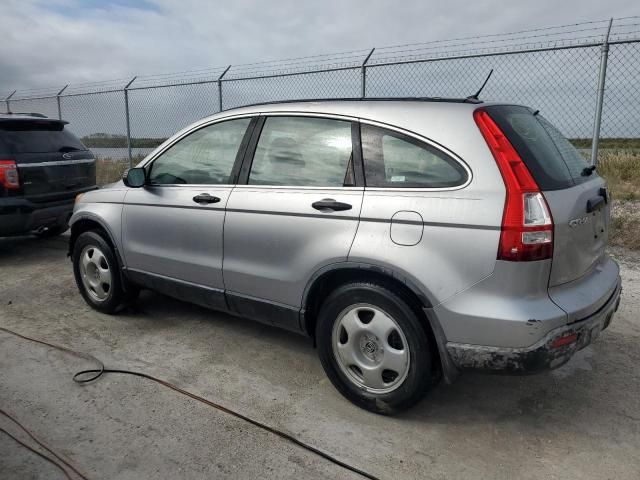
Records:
x=205, y=198
x=327, y=204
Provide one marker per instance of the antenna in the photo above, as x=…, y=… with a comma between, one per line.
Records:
x=475, y=95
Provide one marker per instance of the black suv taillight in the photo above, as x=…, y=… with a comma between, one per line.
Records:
x=9, y=178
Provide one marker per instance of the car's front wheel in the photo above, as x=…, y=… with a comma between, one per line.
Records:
x=97, y=274
x=373, y=347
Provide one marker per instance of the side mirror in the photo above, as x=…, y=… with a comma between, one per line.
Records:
x=134, y=177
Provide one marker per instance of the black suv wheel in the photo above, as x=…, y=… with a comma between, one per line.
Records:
x=52, y=231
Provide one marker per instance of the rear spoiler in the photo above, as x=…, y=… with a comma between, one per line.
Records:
x=30, y=114
x=20, y=123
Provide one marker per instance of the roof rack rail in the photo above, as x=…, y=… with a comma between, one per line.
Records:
x=365, y=99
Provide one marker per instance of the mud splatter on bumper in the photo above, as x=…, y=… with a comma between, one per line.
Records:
x=540, y=356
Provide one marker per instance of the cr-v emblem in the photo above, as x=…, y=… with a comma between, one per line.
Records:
x=576, y=222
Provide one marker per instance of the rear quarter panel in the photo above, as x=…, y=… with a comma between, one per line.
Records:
x=461, y=226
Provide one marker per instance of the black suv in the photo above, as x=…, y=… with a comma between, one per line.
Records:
x=43, y=167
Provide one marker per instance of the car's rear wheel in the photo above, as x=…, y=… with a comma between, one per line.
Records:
x=373, y=347
x=97, y=273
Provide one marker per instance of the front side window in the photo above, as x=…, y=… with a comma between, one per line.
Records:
x=303, y=151
x=395, y=160
x=205, y=157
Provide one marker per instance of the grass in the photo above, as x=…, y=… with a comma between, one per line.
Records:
x=624, y=231
x=607, y=142
x=621, y=169
x=109, y=170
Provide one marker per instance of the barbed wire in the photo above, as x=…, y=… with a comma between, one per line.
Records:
x=362, y=52
x=557, y=36
x=506, y=35
x=558, y=43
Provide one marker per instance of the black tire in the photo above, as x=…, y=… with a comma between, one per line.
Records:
x=116, y=295
x=52, y=231
x=419, y=376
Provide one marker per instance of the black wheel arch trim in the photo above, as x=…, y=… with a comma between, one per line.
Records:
x=449, y=370
x=366, y=267
x=94, y=218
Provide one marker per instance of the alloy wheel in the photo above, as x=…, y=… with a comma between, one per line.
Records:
x=370, y=348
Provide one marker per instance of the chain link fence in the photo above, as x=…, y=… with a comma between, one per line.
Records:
x=564, y=71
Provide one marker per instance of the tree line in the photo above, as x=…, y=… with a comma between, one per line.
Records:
x=106, y=140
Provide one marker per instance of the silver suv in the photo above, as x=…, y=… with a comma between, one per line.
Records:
x=411, y=238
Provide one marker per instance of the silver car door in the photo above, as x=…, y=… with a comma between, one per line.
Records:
x=173, y=226
x=297, y=212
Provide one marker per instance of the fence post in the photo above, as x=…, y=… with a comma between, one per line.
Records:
x=126, y=110
x=58, y=101
x=220, y=87
x=363, y=91
x=604, y=55
x=7, y=100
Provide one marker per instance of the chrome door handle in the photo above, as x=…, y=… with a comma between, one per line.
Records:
x=205, y=198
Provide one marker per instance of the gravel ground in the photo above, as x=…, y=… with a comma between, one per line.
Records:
x=627, y=209
x=580, y=421
x=625, y=231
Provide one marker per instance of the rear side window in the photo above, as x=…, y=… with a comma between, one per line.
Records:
x=37, y=137
x=395, y=160
x=552, y=160
x=303, y=151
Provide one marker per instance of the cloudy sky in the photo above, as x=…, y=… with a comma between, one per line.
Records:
x=55, y=42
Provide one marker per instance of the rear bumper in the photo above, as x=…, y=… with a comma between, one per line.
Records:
x=19, y=216
x=543, y=355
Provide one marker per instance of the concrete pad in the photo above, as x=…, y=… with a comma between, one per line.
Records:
x=581, y=421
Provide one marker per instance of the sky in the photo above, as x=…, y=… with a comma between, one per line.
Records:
x=47, y=44
x=54, y=42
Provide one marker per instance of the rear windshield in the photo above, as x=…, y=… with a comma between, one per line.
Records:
x=552, y=160
x=37, y=137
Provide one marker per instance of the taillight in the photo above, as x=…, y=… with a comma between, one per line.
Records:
x=567, y=339
x=527, y=226
x=9, y=174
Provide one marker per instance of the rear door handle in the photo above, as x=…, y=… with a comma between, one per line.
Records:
x=595, y=203
x=330, y=204
x=205, y=198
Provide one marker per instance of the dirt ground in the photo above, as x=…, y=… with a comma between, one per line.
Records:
x=581, y=421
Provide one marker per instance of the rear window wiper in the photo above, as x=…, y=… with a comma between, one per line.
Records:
x=586, y=171
x=69, y=148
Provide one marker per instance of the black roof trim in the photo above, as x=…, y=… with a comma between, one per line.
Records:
x=365, y=99
x=28, y=114
x=26, y=117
